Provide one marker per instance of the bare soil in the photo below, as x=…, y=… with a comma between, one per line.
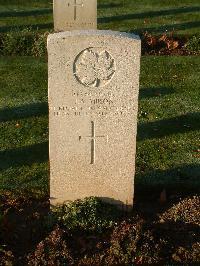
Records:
x=164, y=229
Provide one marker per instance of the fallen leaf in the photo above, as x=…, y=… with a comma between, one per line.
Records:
x=171, y=44
x=138, y=260
x=163, y=37
x=196, y=155
x=17, y=125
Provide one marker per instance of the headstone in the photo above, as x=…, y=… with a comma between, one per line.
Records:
x=75, y=15
x=93, y=103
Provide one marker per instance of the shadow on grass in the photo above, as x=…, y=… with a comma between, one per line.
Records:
x=43, y=26
x=24, y=111
x=150, y=14
x=182, y=179
x=26, y=13
x=28, y=155
x=170, y=27
x=146, y=93
x=162, y=128
x=109, y=5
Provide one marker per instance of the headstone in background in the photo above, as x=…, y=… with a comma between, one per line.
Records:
x=75, y=15
x=93, y=104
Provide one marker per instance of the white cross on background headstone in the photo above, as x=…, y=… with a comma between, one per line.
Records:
x=93, y=138
x=75, y=5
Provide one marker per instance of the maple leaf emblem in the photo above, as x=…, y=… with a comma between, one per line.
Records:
x=94, y=68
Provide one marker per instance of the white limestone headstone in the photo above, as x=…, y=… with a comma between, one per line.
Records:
x=75, y=14
x=93, y=104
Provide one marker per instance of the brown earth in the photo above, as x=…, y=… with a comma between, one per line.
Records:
x=163, y=230
x=165, y=45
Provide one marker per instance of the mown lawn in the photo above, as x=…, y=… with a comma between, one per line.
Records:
x=181, y=17
x=168, y=143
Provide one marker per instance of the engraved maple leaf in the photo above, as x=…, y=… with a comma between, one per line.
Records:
x=95, y=69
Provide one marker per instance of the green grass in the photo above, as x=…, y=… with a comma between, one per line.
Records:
x=168, y=131
x=23, y=101
x=182, y=17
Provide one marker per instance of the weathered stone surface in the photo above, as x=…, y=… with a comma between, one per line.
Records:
x=75, y=14
x=93, y=103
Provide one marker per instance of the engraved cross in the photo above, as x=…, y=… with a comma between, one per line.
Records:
x=75, y=5
x=93, y=138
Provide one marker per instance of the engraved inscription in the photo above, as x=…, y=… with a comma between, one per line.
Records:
x=94, y=67
x=97, y=93
x=93, y=138
x=71, y=24
x=100, y=103
x=104, y=110
x=75, y=5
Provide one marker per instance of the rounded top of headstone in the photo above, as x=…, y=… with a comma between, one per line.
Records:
x=102, y=33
